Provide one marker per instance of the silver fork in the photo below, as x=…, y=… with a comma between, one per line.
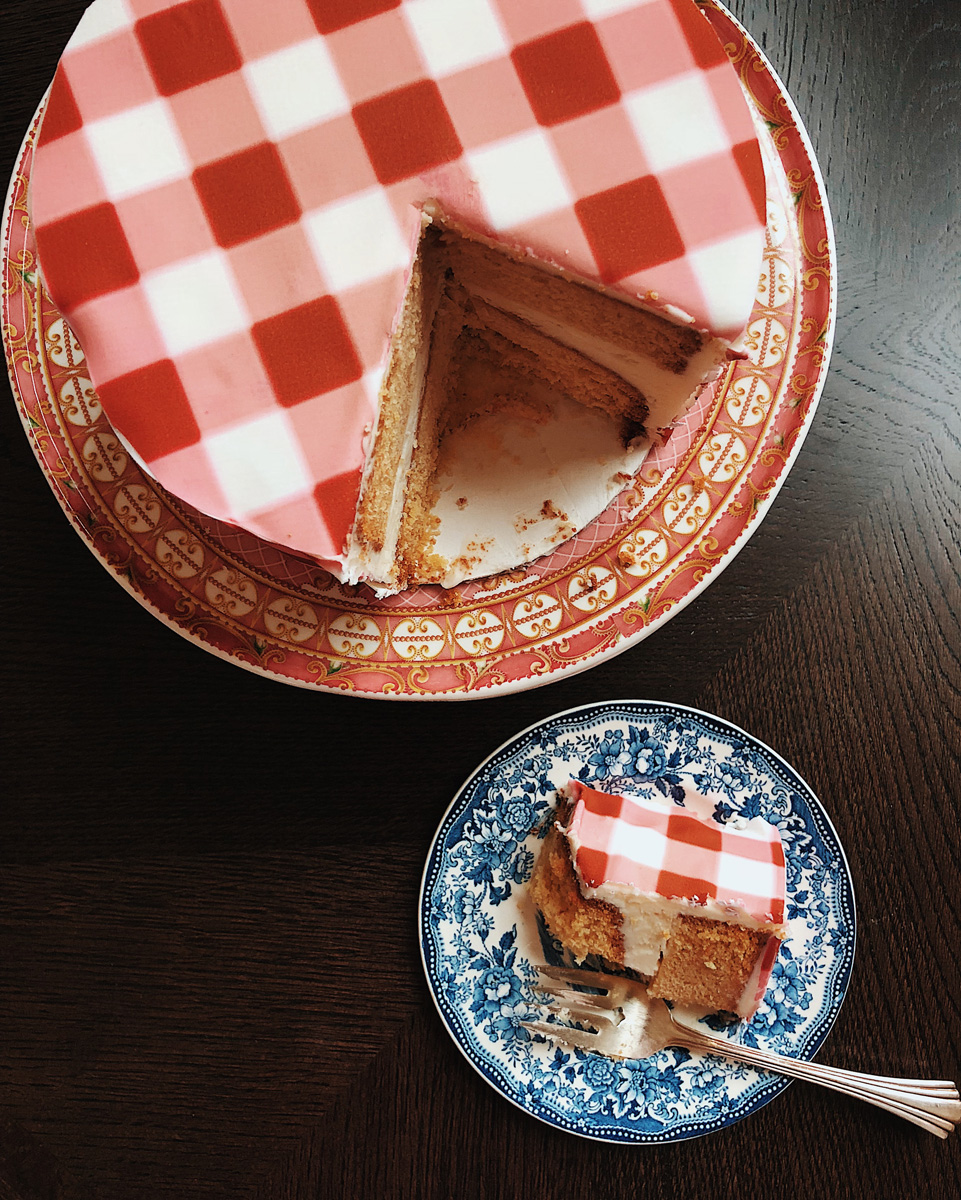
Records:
x=627, y=1023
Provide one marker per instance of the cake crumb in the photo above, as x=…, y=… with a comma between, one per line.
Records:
x=461, y=502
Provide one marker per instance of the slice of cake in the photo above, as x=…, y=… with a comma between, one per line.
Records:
x=403, y=286
x=693, y=906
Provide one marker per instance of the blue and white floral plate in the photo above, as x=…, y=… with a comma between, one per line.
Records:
x=481, y=939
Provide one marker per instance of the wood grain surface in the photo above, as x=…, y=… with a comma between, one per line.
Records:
x=209, y=977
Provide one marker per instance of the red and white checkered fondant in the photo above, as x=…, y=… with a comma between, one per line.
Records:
x=669, y=851
x=227, y=197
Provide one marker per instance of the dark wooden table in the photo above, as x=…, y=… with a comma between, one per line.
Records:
x=197, y=862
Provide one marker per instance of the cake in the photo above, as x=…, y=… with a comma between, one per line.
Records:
x=404, y=286
x=667, y=893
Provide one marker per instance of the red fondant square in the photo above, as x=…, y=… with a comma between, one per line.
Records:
x=61, y=115
x=705, y=44
x=246, y=195
x=86, y=255
x=747, y=155
x=671, y=885
x=337, y=14
x=629, y=228
x=307, y=351
x=337, y=500
x=592, y=866
x=566, y=74
x=407, y=132
x=187, y=45
x=150, y=408
x=692, y=832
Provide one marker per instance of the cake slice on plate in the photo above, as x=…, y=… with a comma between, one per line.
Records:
x=666, y=892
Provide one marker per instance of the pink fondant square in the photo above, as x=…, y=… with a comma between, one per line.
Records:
x=226, y=382
x=165, y=225
x=734, y=113
x=285, y=25
x=109, y=75
x=146, y=8
x=217, y=118
x=534, y=18
x=338, y=146
x=375, y=56
x=295, y=523
x=674, y=283
x=645, y=46
x=276, y=272
x=119, y=333
x=369, y=310
x=599, y=151
x=708, y=199
x=69, y=177
x=486, y=103
x=331, y=430
x=188, y=473
x=557, y=238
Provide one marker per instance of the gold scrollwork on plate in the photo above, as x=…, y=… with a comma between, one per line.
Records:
x=79, y=403
x=643, y=553
x=137, y=507
x=748, y=400
x=766, y=341
x=354, y=635
x=687, y=508
x=61, y=346
x=777, y=282
x=180, y=553
x=418, y=638
x=723, y=457
x=537, y=615
x=479, y=632
x=592, y=589
x=104, y=457
x=291, y=620
x=230, y=592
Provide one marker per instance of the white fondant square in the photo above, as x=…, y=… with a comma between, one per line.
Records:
x=296, y=87
x=677, y=122
x=740, y=877
x=729, y=275
x=357, y=239
x=258, y=463
x=195, y=302
x=519, y=179
x=100, y=20
x=595, y=9
x=453, y=36
x=639, y=844
x=137, y=149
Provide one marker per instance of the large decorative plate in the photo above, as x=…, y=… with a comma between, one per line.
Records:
x=692, y=507
x=481, y=939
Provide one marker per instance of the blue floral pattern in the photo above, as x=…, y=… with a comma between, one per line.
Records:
x=482, y=941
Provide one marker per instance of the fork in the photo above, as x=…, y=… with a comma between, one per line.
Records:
x=627, y=1023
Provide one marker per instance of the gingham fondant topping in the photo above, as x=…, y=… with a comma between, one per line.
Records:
x=226, y=197
x=666, y=850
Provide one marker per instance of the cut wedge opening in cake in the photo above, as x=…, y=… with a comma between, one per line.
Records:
x=517, y=403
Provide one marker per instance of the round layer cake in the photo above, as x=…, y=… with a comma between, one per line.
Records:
x=234, y=204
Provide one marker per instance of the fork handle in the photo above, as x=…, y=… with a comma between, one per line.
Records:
x=932, y=1104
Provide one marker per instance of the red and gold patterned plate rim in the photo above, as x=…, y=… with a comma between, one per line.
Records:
x=694, y=504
